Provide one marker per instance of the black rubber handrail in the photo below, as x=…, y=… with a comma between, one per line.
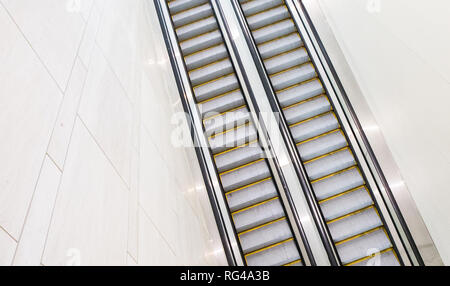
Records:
x=195, y=138
x=365, y=141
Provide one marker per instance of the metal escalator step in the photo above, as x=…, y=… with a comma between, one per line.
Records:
x=265, y=235
x=211, y=71
x=330, y=163
x=346, y=203
x=222, y=103
x=177, y=6
x=239, y=156
x=354, y=224
x=192, y=15
x=252, y=7
x=337, y=183
x=273, y=31
x=363, y=245
x=280, y=45
x=286, y=60
x=300, y=92
x=245, y=175
x=322, y=145
x=232, y=138
x=197, y=28
x=276, y=255
x=216, y=87
x=226, y=121
x=314, y=126
x=293, y=76
x=257, y=215
x=201, y=42
x=386, y=257
x=251, y=194
x=205, y=57
x=268, y=17
x=307, y=109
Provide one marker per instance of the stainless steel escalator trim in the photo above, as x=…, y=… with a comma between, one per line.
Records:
x=283, y=188
x=284, y=128
x=226, y=229
x=366, y=151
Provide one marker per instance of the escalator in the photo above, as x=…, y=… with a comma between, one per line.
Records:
x=261, y=225
x=346, y=201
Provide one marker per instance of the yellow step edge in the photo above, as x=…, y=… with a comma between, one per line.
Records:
x=213, y=80
x=359, y=235
x=314, y=117
x=334, y=174
x=284, y=53
x=372, y=206
x=263, y=225
x=304, y=101
x=292, y=68
x=327, y=154
x=198, y=36
x=279, y=38
x=203, y=50
x=218, y=96
x=293, y=262
x=344, y=193
x=254, y=206
x=194, y=22
x=241, y=121
x=208, y=65
x=372, y=256
x=321, y=135
x=273, y=24
x=300, y=84
x=248, y=186
x=193, y=7
x=224, y=112
x=267, y=10
x=229, y=130
x=269, y=247
x=236, y=148
x=242, y=166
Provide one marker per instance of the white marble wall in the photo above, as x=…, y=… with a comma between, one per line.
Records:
x=398, y=52
x=88, y=173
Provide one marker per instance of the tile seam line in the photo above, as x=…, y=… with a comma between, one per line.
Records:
x=62, y=97
x=103, y=151
x=60, y=181
x=58, y=113
x=114, y=72
x=100, y=14
x=31, y=203
x=157, y=228
x=54, y=162
x=160, y=151
x=61, y=89
x=8, y=234
x=65, y=157
x=132, y=257
x=59, y=185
